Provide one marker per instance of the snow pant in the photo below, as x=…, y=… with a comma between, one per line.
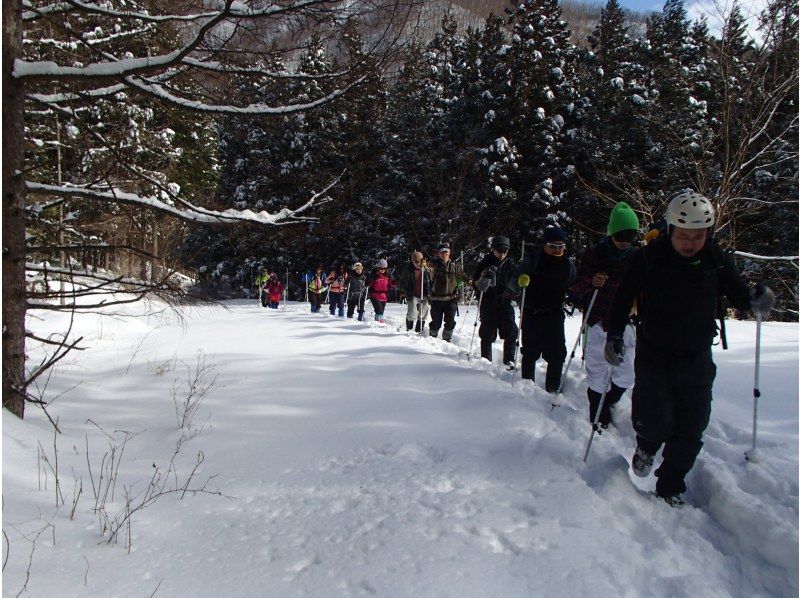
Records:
x=273, y=304
x=264, y=299
x=443, y=310
x=316, y=301
x=379, y=307
x=543, y=336
x=337, y=301
x=597, y=370
x=417, y=312
x=672, y=406
x=496, y=318
x=356, y=301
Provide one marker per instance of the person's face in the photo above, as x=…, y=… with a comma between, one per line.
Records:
x=623, y=239
x=555, y=248
x=382, y=270
x=445, y=255
x=359, y=269
x=687, y=242
x=499, y=253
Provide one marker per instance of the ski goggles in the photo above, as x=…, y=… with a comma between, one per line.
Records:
x=557, y=246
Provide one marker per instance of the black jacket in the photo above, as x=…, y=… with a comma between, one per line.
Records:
x=496, y=295
x=677, y=297
x=407, y=280
x=551, y=277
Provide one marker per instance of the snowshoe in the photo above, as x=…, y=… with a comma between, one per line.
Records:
x=675, y=500
x=641, y=463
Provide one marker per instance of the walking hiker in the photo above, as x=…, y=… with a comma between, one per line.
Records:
x=416, y=284
x=316, y=287
x=445, y=278
x=547, y=273
x=601, y=269
x=677, y=281
x=491, y=277
x=261, y=282
x=379, y=289
x=274, y=290
x=337, y=289
x=357, y=291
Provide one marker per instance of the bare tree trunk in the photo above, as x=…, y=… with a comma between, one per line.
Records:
x=154, y=275
x=13, y=215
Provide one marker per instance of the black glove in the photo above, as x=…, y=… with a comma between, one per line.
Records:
x=762, y=299
x=614, y=350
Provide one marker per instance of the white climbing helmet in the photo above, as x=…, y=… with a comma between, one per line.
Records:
x=689, y=209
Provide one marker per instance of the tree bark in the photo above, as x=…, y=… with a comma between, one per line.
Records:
x=14, y=305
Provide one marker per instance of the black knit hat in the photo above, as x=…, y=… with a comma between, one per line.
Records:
x=444, y=246
x=554, y=234
x=501, y=242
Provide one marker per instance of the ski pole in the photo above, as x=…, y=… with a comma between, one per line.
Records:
x=519, y=331
x=421, y=318
x=475, y=326
x=751, y=455
x=577, y=340
x=519, y=334
x=599, y=409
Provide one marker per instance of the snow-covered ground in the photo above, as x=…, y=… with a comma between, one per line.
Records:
x=355, y=459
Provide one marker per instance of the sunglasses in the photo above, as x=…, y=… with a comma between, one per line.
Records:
x=556, y=245
x=625, y=236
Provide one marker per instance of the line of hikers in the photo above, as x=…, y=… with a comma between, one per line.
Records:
x=649, y=319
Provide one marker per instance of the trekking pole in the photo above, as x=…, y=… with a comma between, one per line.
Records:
x=599, y=409
x=751, y=455
x=475, y=327
x=521, y=313
x=577, y=340
x=420, y=318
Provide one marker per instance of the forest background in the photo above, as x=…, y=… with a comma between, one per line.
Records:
x=172, y=142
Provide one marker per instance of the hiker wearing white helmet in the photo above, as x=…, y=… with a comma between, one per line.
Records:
x=677, y=281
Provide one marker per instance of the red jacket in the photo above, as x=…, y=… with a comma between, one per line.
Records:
x=275, y=290
x=379, y=287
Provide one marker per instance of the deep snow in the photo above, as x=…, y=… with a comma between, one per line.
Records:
x=356, y=459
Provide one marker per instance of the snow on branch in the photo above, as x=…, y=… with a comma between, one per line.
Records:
x=190, y=213
x=160, y=92
x=753, y=256
x=231, y=9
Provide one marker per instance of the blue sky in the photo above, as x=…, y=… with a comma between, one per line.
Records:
x=642, y=5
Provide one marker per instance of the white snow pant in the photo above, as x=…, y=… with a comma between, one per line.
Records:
x=414, y=305
x=596, y=365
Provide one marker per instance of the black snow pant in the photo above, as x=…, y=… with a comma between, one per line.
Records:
x=356, y=301
x=672, y=406
x=543, y=336
x=500, y=318
x=316, y=301
x=264, y=298
x=443, y=310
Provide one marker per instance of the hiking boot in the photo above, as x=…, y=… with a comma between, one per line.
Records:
x=674, y=500
x=641, y=463
x=433, y=333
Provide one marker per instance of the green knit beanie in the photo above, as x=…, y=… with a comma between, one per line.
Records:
x=622, y=218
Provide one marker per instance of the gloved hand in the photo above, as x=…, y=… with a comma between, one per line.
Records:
x=599, y=279
x=762, y=299
x=483, y=284
x=523, y=281
x=614, y=351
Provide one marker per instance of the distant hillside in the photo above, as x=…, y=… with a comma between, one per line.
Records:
x=581, y=16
